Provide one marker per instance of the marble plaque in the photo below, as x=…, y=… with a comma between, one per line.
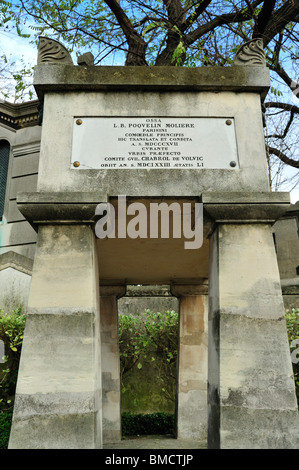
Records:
x=154, y=143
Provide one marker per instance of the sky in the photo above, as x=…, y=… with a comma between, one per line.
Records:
x=16, y=48
x=12, y=45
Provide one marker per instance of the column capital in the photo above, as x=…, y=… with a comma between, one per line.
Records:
x=112, y=291
x=182, y=290
x=245, y=207
x=62, y=207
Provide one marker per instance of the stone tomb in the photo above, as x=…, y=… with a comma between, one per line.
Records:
x=154, y=135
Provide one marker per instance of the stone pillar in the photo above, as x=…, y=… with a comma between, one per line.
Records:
x=252, y=402
x=59, y=398
x=111, y=394
x=193, y=362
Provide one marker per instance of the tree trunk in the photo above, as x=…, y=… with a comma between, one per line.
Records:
x=137, y=49
x=166, y=56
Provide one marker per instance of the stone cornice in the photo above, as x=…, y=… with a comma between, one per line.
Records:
x=219, y=207
x=67, y=78
x=63, y=208
x=245, y=207
x=19, y=115
x=293, y=211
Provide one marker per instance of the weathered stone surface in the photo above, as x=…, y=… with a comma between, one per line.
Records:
x=189, y=290
x=86, y=59
x=19, y=115
x=51, y=51
x=112, y=291
x=251, y=54
x=246, y=206
x=192, y=368
x=15, y=278
x=58, y=398
x=68, y=207
x=251, y=387
x=111, y=394
x=145, y=91
x=48, y=78
x=14, y=260
x=56, y=384
x=286, y=240
x=14, y=291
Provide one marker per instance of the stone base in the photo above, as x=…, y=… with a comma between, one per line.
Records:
x=55, y=406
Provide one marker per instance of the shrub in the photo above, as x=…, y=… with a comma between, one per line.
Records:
x=11, y=333
x=150, y=338
x=292, y=319
x=12, y=330
x=145, y=424
x=5, y=425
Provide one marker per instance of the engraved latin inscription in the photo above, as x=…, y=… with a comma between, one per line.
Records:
x=153, y=143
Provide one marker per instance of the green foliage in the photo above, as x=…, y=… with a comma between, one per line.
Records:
x=16, y=75
x=275, y=91
x=5, y=425
x=179, y=26
x=150, y=338
x=178, y=54
x=292, y=319
x=142, y=424
x=17, y=80
x=11, y=333
x=12, y=329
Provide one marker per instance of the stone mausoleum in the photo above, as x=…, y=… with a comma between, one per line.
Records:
x=188, y=137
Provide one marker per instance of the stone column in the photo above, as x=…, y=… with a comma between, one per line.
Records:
x=252, y=402
x=110, y=362
x=193, y=362
x=59, y=398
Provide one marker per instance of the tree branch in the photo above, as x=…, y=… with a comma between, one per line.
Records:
x=282, y=73
x=263, y=18
x=220, y=20
x=175, y=10
x=194, y=16
x=285, y=106
x=137, y=46
x=176, y=16
x=279, y=20
x=283, y=157
x=286, y=130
